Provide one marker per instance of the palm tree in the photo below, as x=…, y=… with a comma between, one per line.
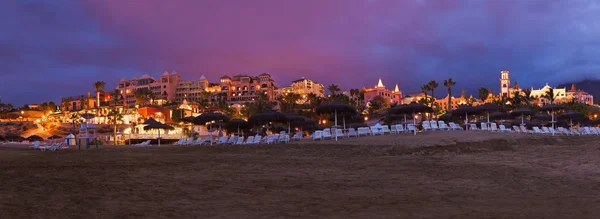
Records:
x=115, y=97
x=99, y=87
x=204, y=98
x=449, y=84
x=333, y=89
x=142, y=96
x=483, y=93
x=432, y=86
x=114, y=117
x=424, y=89
x=550, y=95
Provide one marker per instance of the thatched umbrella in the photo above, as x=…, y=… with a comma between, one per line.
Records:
x=204, y=118
x=499, y=116
x=465, y=110
x=293, y=119
x=413, y=108
x=447, y=117
x=552, y=108
x=35, y=138
x=542, y=116
x=488, y=108
x=521, y=112
x=239, y=123
x=153, y=124
x=13, y=137
x=267, y=117
x=399, y=117
x=572, y=115
x=54, y=137
x=335, y=108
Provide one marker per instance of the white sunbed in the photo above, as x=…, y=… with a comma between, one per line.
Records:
x=493, y=127
x=297, y=136
x=250, y=140
x=352, y=132
x=426, y=125
x=484, y=126
x=473, y=127
x=434, y=125
x=516, y=129
x=257, y=139
x=240, y=140
x=317, y=135
x=537, y=130
x=326, y=134
x=400, y=128
x=386, y=129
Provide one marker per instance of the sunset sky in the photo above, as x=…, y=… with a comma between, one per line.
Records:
x=55, y=48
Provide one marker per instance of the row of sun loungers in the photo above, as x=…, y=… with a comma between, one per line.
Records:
x=53, y=147
x=239, y=140
x=493, y=127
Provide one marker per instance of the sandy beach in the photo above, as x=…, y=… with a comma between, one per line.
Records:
x=431, y=175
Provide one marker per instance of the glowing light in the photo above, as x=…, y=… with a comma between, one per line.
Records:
x=366, y=118
x=324, y=121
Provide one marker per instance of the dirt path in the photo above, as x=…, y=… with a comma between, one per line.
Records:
x=537, y=178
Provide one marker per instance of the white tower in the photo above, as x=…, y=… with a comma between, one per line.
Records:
x=504, y=84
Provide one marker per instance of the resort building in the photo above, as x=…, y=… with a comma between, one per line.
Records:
x=244, y=88
x=303, y=87
x=394, y=96
x=506, y=90
x=81, y=102
x=195, y=91
x=162, y=89
x=562, y=95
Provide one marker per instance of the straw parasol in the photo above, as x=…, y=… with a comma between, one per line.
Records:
x=150, y=123
x=522, y=112
x=488, y=108
x=542, y=116
x=499, y=116
x=552, y=108
x=413, y=108
x=239, y=123
x=13, y=137
x=293, y=119
x=572, y=115
x=35, y=138
x=335, y=108
x=465, y=110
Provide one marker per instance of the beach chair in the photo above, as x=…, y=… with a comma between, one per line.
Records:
x=525, y=130
x=317, y=135
x=516, y=129
x=363, y=131
x=426, y=125
x=443, y=125
x=493, y=127
x=484, y=126
x=546, y=130
x=537, y=130
x=411, y=128
x=386, y=129
x=434, y=125
x=257, y=139
x=271, y=139
x=180, y=142
x=453, y=126
x=574, y=132
x=198, y=141
x=297, y=136
x=339, y=133
x=393, y=129
x=36, y=145
x=250, y=140
x=473, y=127
x=400, y=128
x=352, y=132
x=222, y=140
x=327, y=133
x=563, y=131
x=594, y=131
x=232, y=140
x=239, y=140
x=504, y=129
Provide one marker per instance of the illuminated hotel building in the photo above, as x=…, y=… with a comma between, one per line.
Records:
x=394, y=96
x=163, y=89
x=244, y=88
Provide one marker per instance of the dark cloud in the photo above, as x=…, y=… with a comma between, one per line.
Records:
x=347, y=42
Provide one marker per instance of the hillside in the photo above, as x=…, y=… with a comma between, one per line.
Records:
x=590, y=86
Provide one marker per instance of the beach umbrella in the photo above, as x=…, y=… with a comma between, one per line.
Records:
x=35, y=138
x=521, y=112
x=542, y=116
x=488, y=108
x=335, y=108
x=13, y=137
x=596, y=121
x=204, y=118
x=54, y=137
x=150, y=123
x=447, y=117
x=465, y=110
x=520, y=122
x=552, y=108
x=530, y=125
x=239, y=123
x=393, y=118
x=293, y=119
x=499, y=116
x=413, y=108
x=572, y=115
x=267, y=117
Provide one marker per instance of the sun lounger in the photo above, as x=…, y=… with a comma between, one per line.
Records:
x=434, y=125
x=411, y=128
x=250, y=140
x=504, y=129
x=232, y=140
x=339, y=133
x=537, y=130
x=363, y=131
x=317, y=135
x=484, y=126
x=473, y=127
x=443, y=125
x=36, y=145
x=400, y=128
x=351, y=133
x=516, y=129
x=493, y=127
x=327, y=134
x=386, y=129
x=297, y=136
x=546, y=130
x=426, y=125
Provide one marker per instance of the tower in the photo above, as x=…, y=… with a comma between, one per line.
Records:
x=504, y=84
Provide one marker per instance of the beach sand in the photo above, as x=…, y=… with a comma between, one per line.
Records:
x=431, y=175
